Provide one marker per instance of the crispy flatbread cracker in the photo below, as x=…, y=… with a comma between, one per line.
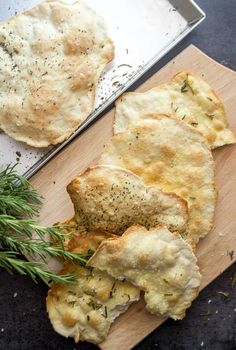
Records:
x=188, y=98
x=51, y=58
x=169, y=153
x=159, y=262
x=85, y=310
x=112, y=199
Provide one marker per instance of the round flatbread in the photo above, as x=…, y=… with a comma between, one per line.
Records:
x=159, y=262
x=86, y=309
x=188, y=98
x=107, y=198
x=169, y=153
x=51, y=58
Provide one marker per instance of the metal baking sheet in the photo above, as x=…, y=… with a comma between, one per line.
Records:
x=143, y=31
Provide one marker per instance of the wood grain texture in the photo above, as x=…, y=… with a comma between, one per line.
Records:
x=215, y=250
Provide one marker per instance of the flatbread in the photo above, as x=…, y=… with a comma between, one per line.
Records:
x=186, y=97
x=112, y=199
x=169, y=153
x=51, y=58
x=85, y=310
x=159, y=262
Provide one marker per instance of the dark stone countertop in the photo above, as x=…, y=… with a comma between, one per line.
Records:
x=24, y=324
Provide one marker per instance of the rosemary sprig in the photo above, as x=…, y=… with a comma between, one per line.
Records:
x=42, y=249
x=17, y=195
x=11, y=262
x=20, y=234
x=26, y=227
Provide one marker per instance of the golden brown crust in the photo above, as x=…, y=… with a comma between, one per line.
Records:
x=111, y=199
x=49, y=74
x=85, y=310
x=159, y=262
x=169, y=153
x=187, y=97
x=80, y=243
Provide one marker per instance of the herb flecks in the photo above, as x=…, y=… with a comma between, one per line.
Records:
x=186, y=87
x=210, y=116
x=71, y=303
x=94, y=305
x=112, y=289
x=105, y=314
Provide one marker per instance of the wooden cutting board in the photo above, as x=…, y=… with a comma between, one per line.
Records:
x=217, y=251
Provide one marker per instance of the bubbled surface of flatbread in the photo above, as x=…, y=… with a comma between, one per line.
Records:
x=51, y=58
x=176, y=157
x=159, y=262
x=86, y=309
x=112, y=199
x=188, y=98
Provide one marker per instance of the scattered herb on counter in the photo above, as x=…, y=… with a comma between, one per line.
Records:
x=224, y=295
x=205, y=314
x=233, y=279
x=20, y=202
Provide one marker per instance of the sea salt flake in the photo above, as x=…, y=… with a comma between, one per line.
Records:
x=217, y=311
x=2, y=329
x=209, y=301
x=221, y=234
x=15, y=294
x=202, y=343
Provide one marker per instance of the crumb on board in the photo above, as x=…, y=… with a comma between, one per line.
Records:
x=230, y=253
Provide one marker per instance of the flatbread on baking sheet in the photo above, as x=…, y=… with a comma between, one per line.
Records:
x=86, y=309
x=51, y=58
x=186, y=97
x=159, y=262
x=169, y=153
x=107, y=198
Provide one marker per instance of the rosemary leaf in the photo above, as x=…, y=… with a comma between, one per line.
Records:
x=11, y=262
x=41, y=249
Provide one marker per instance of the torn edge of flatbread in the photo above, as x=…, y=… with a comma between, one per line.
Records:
x=86, y=308
x=159, y=262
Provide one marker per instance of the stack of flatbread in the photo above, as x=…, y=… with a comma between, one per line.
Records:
x=147, y=203
x=144, y=207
